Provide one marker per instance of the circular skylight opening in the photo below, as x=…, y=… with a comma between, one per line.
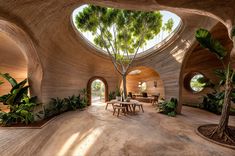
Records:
x=135, y=72
x=169, y=25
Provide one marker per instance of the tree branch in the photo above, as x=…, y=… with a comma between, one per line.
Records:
x=115, y=39
x=142, y=38
x=114, y=51
x=126, y=47
x=111, y=56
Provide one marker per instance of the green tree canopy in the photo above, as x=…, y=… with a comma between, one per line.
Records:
x=120, y=32
x=168, y=26
x=97, y=85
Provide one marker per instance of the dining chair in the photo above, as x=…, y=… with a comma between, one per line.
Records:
x=119, y=109
x=139, y=105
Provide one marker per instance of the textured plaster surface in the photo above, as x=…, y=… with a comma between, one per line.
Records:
x=60, y=63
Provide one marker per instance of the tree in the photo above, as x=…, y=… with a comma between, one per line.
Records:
x=96, y=85
x=227, y=80
x=168, y=26
x=120, y=32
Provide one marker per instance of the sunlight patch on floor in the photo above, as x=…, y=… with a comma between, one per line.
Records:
x=68, y=144
x=83, y=147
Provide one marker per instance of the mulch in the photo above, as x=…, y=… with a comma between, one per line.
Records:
x=206, y=131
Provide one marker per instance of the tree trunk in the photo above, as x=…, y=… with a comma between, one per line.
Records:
x=124, y=86
x=223, y=130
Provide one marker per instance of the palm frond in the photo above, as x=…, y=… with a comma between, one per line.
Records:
x=206, y=40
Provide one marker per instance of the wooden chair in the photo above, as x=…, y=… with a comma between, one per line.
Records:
x=119, y=108
x=138, y=105
x=108, y=103
x=155, y=100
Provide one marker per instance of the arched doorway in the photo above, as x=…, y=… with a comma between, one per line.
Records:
x=97, y=89
x=12, y=61
x=143, y=79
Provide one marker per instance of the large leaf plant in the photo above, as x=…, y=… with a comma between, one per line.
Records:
x=226, y=75
x=20, y=104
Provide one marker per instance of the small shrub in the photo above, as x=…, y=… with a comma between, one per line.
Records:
x=22, y=112
x=83, y=103
x=83, y=98
x=112, y=95
x=169, y=107
x=213, y=102
x=71, y=102
x=25, y=110
x=118, y=92
x=47, y=112
x=57, y=105
x=20, y=104
x=7, y=119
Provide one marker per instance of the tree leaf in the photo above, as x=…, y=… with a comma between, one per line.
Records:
x=205, y=39
x=19, y=85
x=10, y=79
x=119, y=31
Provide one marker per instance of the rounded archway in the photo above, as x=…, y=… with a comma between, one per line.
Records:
x=12, y=61
x=89, y=88
x=97, y=91
x=143, y=79
x=25, y=45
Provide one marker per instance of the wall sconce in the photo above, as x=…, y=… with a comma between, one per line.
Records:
x=139, y=84
x=155, y=84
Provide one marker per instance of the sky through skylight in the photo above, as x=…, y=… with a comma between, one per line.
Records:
x=162, y=36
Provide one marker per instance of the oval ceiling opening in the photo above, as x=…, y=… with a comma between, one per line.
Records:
x=169, y=24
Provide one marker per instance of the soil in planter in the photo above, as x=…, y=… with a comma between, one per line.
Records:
x=207, y=130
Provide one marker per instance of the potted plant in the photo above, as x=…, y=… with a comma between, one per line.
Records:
x=118, y=95
x=128, y=99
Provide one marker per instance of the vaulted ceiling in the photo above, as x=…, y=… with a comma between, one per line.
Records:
x=59, y=60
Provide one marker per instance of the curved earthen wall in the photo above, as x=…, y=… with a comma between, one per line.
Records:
x=202, y=61
x=65, y=63
x=12, y=61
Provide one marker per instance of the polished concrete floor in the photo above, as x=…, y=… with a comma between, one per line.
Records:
x=96, y=131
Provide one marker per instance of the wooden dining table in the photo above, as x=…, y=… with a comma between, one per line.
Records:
x=130, y=105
